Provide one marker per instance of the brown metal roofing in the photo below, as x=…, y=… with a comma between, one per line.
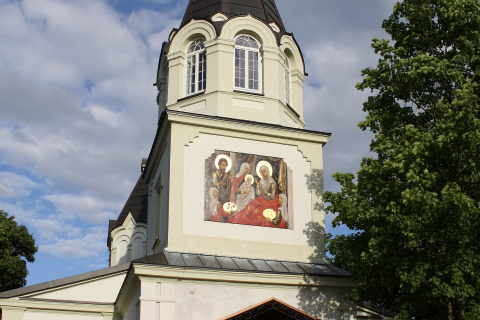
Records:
x=191, y=260
x=265, y=10
x=136, y=204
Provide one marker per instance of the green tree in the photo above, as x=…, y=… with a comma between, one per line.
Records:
x=414, y=207
x=16, y=247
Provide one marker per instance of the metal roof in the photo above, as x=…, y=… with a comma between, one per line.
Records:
x=137, y=205
x=265, y=10
x=192, y=260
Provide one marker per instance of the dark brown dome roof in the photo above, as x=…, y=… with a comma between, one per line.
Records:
x=265, y=10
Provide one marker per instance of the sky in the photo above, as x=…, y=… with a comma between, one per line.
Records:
x=78, y=111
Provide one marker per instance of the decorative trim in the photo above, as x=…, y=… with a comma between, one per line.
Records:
x=272, y=304
x=249, y=92
x=191, y=96
x=67, y=301
x=293, y=110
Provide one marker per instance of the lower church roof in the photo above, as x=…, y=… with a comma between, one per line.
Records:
x=191, y=260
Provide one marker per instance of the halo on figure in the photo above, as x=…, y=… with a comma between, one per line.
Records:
x=266, y=164
x=223, y=156
x=249, y=176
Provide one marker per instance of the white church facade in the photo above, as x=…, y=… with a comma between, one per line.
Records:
x=222, y=223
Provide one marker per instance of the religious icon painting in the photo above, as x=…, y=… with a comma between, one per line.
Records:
x=247, y=189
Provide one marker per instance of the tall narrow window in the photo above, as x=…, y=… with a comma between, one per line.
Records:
x=287, y=82
x=196, y=67
x=247, y=64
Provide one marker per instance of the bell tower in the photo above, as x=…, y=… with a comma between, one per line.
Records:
x=233, y=59
x=227, y=171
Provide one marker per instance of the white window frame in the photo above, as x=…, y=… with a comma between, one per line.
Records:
x=196, y=55
x=247, y=79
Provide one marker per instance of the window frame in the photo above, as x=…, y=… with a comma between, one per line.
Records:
x=197, y=54
x=259, y=65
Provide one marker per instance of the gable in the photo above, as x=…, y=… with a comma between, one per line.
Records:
x=100, y=290
x=272, y=309
x=100, y=286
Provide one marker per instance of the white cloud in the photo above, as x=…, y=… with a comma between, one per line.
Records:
x=107, y=116
x=66, y=42
x=91, y=244
x=51, y=228
x=14, y=185
x=89, y=109
x=6, y=192
x=22, y=215
x=85, y=208
x=48, y=228
x=146, y=22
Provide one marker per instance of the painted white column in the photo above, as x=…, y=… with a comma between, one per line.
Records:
x=167, y=301
x=157, y=301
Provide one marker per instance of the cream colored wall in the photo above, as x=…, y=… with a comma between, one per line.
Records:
x=104, y=290
x=132, y=310
x=12, y=313
x=192, y=141
x=39, y=309
x=219, y=98
x=201, y=302
x=158, y=177
x=178, y=294
x=86, y=300
x=246, y=241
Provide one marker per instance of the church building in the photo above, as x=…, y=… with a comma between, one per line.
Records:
x=222, y=222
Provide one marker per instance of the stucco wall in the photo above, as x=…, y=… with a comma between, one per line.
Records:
x=203, y=300
x=103, y=290
x=251, y=241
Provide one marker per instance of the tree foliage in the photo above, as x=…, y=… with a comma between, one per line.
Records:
x=414, y=208
x=17, y=246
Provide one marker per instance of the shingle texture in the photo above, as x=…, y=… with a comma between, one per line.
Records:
x=191, y=260
x=136, y=204
x=265, y=10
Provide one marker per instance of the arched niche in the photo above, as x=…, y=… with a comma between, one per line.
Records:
x=249, y=26
x=291, y=50
x=138, y=245
x=122, y=251
x=193, y=30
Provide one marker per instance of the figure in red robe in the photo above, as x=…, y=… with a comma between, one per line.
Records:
x=215, y=208
x=268, y=198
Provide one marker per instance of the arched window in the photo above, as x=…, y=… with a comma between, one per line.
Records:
x=287, y=82
x=196, y=67
x=247, y=64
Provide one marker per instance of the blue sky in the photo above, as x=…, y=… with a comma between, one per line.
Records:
x=78, y=112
